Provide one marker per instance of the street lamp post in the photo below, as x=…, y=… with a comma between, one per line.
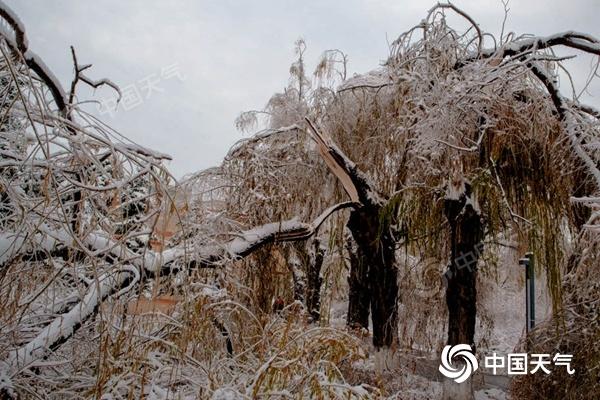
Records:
x=528, y=263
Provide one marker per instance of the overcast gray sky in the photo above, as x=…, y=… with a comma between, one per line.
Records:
x=189, y=67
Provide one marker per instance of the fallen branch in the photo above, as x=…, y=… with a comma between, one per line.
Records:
x=113, y=282
x=65, y=325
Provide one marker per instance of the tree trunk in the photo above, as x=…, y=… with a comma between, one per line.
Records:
x=359, y=297
x=384, y=290
x=314, y=281
x=466, y=235
x=373, y=276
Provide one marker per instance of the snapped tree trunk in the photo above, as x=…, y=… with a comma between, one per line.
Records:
x=466, y=235
x=373, y=272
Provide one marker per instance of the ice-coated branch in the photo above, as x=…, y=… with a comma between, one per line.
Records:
x=570, y=125
x=376, y=79
x=124, y=278
x=258, y=137
x=518, y=49
x=79, y=76
x=253, y=239
x=586, y=108
x=47, y=76
x=13, y=20
x=463, y=14
x=21, y=45
x=572, y=39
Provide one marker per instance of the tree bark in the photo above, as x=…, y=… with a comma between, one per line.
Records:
x=314, y=281
x=373, y=276
x=359, y=296
x=466, y=235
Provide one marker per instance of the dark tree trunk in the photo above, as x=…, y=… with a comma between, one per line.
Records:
x=314, y=281
x=466, y=235
x=359, y=296
x=384, y=290
x=373, y=276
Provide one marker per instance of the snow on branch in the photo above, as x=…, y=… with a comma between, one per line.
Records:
x=144, y=151
x=77, y=208
x=586, y=108
x=65, y=325
x=258, y=137
x=113, y=282
x=572, y=39
x=463, y=14
x=251, y=240
x=13, y=20
x=376, y=79
x=568, y=110
x=286, y=231
x=20, y=45
x=570, y=125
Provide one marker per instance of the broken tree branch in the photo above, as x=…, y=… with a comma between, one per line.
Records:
x=126, y=277
x=358, y=185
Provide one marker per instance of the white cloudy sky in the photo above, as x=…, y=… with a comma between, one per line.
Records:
x=235, y=54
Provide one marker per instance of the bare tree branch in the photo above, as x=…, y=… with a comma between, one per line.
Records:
x=79, y=76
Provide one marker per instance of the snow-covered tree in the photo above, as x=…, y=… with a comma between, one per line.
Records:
x=118, y=282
